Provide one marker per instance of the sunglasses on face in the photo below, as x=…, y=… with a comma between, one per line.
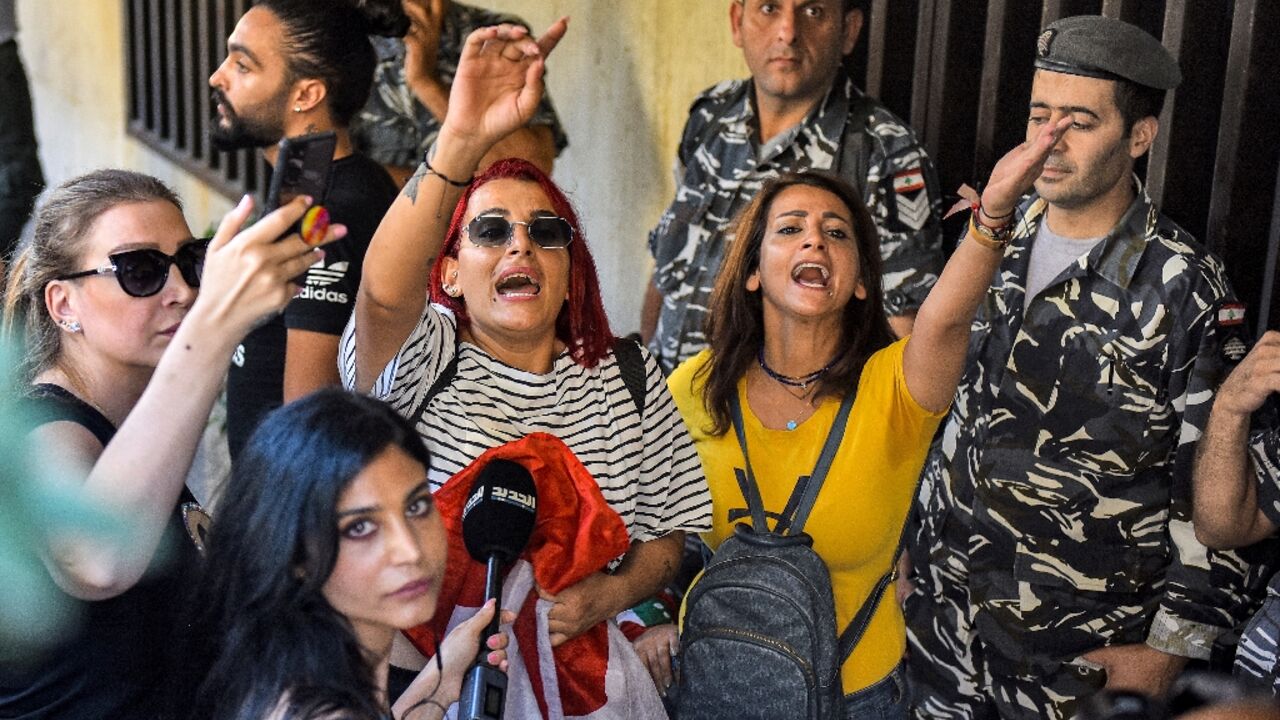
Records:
x=143, y=272
x=549, y=233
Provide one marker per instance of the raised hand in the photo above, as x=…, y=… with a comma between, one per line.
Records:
x=1253, y=380
x=247, y=272
x=499, y=83
x=422, y=44
x=1015, y=173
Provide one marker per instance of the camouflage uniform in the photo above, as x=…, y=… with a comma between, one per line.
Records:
x=394, y=128
x=1258, y=658
x=721, y=166
x=1055, y=509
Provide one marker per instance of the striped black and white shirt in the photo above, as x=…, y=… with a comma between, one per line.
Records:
x=647, y=468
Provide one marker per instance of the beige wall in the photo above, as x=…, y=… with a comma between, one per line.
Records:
x=622, y=81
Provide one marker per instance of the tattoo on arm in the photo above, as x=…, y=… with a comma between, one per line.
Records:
x=411, y=188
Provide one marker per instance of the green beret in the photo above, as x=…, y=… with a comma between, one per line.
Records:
x=1103, y=47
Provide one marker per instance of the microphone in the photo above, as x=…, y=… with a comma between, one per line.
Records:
x=497, y=521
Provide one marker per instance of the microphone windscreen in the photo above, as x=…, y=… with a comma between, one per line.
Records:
x=500, y=511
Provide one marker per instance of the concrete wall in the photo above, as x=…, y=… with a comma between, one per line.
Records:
x=622, y=81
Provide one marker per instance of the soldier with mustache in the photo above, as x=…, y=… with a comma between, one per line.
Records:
x=798, y=111
x=1055, y=553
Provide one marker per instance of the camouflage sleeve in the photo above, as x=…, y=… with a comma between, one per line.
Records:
x=902, y=192
x=1264, y=455
x=1204, y=589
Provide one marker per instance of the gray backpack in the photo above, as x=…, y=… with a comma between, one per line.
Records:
x=759, y=637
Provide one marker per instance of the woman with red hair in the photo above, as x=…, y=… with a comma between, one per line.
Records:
x=509, y=336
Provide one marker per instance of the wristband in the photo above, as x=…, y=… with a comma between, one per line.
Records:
x=456, y=183
x=992, y=238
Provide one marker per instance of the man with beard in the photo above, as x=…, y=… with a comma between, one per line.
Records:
x=296, y=67
x=1056, y=554
x=798, y=111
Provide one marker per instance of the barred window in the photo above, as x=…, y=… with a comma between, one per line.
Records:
x=172, y=48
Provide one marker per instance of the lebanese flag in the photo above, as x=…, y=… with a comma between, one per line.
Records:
x=595, y=676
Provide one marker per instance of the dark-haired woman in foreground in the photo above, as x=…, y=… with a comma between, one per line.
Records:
x=129, y=324
x=796, y=325
x=327, y=543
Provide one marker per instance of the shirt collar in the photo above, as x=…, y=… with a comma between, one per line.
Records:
x=826, y=120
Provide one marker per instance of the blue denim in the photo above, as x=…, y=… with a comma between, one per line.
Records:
x=885, y=699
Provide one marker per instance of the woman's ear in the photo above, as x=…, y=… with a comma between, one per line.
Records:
x=753, y=281
x=59, y=303
x=450, y=282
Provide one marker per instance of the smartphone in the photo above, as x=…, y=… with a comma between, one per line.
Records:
x=302, y=168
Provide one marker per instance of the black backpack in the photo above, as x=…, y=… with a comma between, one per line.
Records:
x=759, y=637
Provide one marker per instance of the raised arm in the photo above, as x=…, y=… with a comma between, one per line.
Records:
x=933, y=360
x=496, y=90
x=1227, y=512
x=140, y=473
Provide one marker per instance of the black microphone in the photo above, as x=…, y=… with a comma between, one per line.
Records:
x=497, y=521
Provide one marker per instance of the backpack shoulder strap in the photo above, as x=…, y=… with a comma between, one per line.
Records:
x=819, y=475
x=442, y=381
x=754, y=503
x=631, y=367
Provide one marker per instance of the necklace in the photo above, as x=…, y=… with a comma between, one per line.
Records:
x=788, y=382
x=803, y=381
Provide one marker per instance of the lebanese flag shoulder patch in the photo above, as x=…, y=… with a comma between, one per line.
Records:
x=909, y=180
x=1231, y=314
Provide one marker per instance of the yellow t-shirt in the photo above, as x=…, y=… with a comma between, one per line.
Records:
x=860, y=510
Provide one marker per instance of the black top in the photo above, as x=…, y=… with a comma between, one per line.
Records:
x=360, y=192
x=111, y=663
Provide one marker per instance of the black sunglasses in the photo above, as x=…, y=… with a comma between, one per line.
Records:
x=142, y=273
x=548, y=232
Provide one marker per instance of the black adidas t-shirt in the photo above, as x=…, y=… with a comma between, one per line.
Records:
x=360, y=192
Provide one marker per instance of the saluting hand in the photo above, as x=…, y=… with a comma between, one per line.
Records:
x=1015, y=173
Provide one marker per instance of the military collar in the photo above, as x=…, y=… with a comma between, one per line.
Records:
x=1116, y=257
x=827, y=119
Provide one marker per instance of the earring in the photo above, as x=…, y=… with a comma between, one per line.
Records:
x=450, y=290
x=297, y=108
x=70, y=326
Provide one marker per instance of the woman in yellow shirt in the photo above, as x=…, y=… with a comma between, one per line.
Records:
x=796, y=322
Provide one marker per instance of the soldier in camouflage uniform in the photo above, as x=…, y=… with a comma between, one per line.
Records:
x=1237, y=491
x=405, y=109
x=1055, y=553
x=798, y=111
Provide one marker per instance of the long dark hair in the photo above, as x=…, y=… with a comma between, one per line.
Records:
x=261, y=628
x=735, y=319
x=329, y=40
x=582, y=324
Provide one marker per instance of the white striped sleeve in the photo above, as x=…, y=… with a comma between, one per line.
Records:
x=673, y=492
x=421, y=358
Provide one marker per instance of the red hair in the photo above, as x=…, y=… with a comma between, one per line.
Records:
x=582, y=324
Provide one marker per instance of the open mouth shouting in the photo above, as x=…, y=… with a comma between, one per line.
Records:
x=811, y=275
x=517, y=284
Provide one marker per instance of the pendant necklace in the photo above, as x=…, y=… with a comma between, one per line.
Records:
x=803, y=382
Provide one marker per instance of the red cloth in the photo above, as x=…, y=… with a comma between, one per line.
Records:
x=576, y=534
